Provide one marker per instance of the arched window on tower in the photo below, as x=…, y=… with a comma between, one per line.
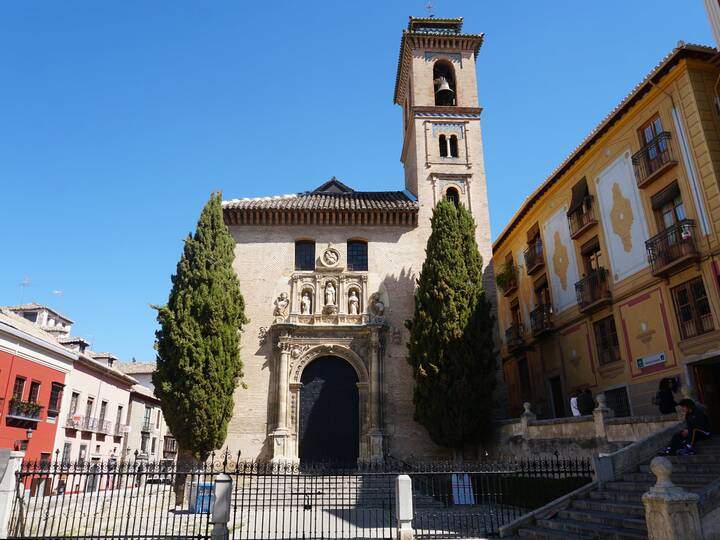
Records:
x=453, y=146
x=444, y=83
x=443, y=146
x=452, y=195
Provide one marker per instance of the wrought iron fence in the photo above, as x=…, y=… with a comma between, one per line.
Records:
x=474, y=499
x=282, y=500
x=111, y=499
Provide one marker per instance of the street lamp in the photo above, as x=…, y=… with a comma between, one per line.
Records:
x=29, y=433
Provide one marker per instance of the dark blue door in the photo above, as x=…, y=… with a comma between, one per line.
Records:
x=329, y=416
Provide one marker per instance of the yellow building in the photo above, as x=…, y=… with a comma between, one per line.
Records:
x=606, y=274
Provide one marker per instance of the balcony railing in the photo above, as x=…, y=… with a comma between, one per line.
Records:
x=24, y=410
x=148, y=426
x=87, y=423
x=120, y=429
x=673, y=248
x=541, y=320
x=534, y=259
x=582, y=219
x=506, y=279
x=653, y=159
x=515, y=336
x=593, y=290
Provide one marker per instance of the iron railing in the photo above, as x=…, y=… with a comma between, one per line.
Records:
x=582, y=217
x=593, y=288
x=515, y=336
x=24, y=410
x=541, y=319
x=136, y=498
x=652, y=158
x=88, y=423
x=534, y=256
x=147, y=426
x=120, y=429
x=672, y=245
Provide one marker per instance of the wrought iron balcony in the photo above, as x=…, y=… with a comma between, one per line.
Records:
x=515, y=337
x=148, y=426
x=593, y=290
x=534, y=259
x=120, y=429
x=24, y=410
x=673, y=248
x=87, y=423
x=582, y=219
x=506, y=279
x=653, y=159
x=541, y=320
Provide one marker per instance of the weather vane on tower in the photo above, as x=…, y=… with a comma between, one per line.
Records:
x=429, y=8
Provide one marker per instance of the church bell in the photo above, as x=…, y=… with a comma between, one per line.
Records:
x=443, y=92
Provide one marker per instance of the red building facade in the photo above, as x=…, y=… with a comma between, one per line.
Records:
x=33, y=370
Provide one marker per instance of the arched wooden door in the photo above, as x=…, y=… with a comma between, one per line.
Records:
x=329, y=412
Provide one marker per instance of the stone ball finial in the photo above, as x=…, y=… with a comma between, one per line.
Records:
x=661, y=467
x=686, y=392
x=526, y=406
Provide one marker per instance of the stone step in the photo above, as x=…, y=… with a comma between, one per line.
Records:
x=593, y=530
x=621, y=496
x=541, y=533
x=694, y=477
x=683, y=467
x=697, y=458
x=620, y=521
x=627, y=509
x=620, y=485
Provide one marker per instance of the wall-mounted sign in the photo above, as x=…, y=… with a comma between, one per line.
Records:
x=647, y=361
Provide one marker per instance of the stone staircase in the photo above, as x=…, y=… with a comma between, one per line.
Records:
x=616, y=511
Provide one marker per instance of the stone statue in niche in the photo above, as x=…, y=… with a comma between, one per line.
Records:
x=329, y=294
x=306, y=304
x=281, y=306
x=353, y=303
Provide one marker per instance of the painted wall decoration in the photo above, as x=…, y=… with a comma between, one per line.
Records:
x=577, y=357
x=622, y=218
x=525, y=290
x=648, y=345
x=560, y=259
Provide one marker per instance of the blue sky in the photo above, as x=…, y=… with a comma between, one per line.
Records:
x=118, y=119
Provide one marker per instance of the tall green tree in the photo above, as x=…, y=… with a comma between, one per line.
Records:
x=198, y=343
x=451, y=334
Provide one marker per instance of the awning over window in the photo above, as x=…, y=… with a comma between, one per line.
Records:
x=579, y=194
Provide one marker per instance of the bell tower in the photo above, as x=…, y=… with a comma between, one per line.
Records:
x=442, y=149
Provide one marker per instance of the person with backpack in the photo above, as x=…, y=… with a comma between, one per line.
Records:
x=664, y=398
x=697, y=427
x=586, y=403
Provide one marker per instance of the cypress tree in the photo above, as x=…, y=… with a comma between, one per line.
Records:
x=451, y=334
x=198, y=343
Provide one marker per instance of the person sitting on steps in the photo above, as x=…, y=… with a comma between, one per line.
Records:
x=697, y=427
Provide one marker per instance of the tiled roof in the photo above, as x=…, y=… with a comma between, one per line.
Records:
x=355, y=200
x=19, y=323
x=688, y=50
x=333, y=203
x=33, y=305
x=136, y=367
x=144, y=391
x=73, y=339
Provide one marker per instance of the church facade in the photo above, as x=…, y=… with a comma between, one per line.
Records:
x=328, y=275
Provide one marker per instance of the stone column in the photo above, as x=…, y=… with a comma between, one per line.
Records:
x=281, y=433
x=10, y=463
x=600, y=413
x=375, y=434
x=341, y=298
x=671, y=513
x=405, y=514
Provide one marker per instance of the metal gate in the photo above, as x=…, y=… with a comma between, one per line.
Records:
x=283, y=500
